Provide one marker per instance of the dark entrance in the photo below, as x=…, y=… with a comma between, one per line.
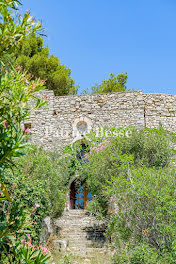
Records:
x=79, y=195
x=83, y=148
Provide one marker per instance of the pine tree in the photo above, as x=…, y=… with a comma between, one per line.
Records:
x=34, y=58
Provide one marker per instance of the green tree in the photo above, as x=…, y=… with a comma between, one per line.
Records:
x=115, y=83
x=13, y=29
x=36, y=60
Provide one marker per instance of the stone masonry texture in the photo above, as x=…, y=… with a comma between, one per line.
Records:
x=64, y=118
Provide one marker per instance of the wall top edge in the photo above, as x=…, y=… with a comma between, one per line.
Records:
x=90, y=95
x=105, y=94
x=145, y=94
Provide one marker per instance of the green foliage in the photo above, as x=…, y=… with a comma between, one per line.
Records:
x=150, y=147
x=35, y=59
x=42, y=178
x=16, y=93
x=137, y=255
x=116, y=149
x=143, y=254
x=128, y=172
x=132, y=179
x=115, y=83
x=96, y=208
x=23, y=252
x=16, y=89
x=13, y=29
x=26, y=252
x=146, y=202
x=66, y=260
x=15, y=221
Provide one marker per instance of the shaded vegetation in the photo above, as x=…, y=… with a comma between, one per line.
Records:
x=34, y=58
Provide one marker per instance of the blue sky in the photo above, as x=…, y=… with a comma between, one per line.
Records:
x=97, y=37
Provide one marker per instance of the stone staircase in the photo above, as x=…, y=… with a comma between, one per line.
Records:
x=79, y=232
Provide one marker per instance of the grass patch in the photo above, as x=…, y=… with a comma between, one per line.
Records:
x=75, y=258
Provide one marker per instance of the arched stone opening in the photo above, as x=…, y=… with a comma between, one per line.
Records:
x=81, y=126
x=79, y=195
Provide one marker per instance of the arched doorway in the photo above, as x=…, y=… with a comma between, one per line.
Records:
x=79, y=195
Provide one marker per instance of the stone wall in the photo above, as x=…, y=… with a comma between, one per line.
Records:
x=67, y=118
x=160, y=109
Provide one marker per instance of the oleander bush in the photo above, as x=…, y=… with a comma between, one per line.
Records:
x=17, y=90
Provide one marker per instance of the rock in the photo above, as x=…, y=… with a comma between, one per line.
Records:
x=47, y=230
x=60, y=244
x=87, y=261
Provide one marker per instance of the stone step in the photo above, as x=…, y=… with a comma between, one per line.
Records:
x=80, y=245
x=81, y=242
x=88, y=252
x=74, y=212
x=77, y=230
x=77, y=217
x=91, y=249
x=78, y=235
x=73, y=223
x=77, y=222
x=75, y=236
x=72, y=230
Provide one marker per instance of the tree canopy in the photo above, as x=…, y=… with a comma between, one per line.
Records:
x=36, y=60
x=115, y=83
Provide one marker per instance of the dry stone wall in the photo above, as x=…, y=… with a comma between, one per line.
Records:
x=67, y=118
x=160, y=109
